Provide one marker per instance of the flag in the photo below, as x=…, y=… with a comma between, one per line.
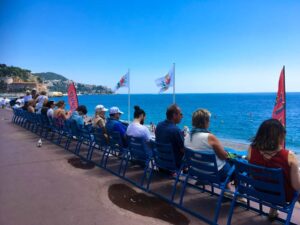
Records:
x=279, y=108
x=124, y=82
x=72, y=97
x=166, y=81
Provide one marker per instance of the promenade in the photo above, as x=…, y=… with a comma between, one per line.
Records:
x=39, y=187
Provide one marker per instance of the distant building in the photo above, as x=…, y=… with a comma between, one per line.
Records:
x=21, y=86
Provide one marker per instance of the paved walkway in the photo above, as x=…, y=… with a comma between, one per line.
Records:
x=38, y=186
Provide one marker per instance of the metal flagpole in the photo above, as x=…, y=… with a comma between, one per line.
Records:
x=128, y=96
x=284, y=102
x=173, y=83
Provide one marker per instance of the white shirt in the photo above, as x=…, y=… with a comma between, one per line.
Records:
x=27, y=98
x=50, y=113
x=138, y=130
x=40, y=101
x=199, y=142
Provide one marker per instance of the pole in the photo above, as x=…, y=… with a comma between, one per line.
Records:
x=128, y=96
x=284, y=102
x=173, y=83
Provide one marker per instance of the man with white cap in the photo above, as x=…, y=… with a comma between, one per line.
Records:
x=99, y=120
x=113, y=123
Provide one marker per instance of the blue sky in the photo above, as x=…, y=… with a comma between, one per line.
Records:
x=217, y=46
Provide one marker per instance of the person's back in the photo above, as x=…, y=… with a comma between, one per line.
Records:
x=138, y=130
x=168, y=133
x=279, y=160
x=77, y=116
x=267, y=150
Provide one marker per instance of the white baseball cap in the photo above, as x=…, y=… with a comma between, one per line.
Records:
x=100, y=108
x=114, y=110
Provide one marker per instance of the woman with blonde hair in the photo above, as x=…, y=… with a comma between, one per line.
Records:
x=202, y=140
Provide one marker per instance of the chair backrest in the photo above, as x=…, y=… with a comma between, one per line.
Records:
x=74, y=128
x=202, y=165
x=262, y=183
x=164, y=156
x=115, y=140
x=100, y=138
x=137, y=148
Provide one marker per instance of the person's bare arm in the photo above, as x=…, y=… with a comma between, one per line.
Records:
x=217, y=146
x=295, y=176
x=249, y=153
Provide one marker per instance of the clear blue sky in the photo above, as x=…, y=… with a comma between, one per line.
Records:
x=218, y=46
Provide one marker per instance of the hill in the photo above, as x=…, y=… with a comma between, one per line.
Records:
x=53, y=81
x=50, y=76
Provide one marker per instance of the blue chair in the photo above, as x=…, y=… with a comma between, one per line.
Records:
x=100, y=142
x=202, y=167
x=116, y=149
x=164, y=159
x=140, y=154
x=264, y=186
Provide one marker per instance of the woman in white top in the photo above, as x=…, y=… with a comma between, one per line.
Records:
x=137, y=128
x=202, y=140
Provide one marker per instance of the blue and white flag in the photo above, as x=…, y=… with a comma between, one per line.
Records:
x=166, y=81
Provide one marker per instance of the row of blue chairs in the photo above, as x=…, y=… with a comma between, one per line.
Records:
x=152, y=157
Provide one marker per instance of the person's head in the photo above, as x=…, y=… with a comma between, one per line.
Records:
x=60, y=104
x=43, y=93
x=27, y=92
x=82, y=110
x=201, y=118
x=50, y=104
x=174, y=113
x=33, y=92
x=270, y=136
x=139, y=114
x=100, y=110
x=115, y=113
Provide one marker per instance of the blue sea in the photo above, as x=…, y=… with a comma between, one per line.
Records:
x=235, y=117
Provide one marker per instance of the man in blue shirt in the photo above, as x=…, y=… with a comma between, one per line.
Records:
x=168, y=133
x=113, y=123
x=77, y=115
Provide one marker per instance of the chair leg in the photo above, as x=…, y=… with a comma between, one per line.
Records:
x=231, y=209
x=219, y=206
x=174, y=187
x=183, y=190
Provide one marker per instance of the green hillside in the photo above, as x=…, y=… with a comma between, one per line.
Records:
x=50, y=76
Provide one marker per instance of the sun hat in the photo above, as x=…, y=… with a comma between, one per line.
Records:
x=114, y=110
x=100, y=108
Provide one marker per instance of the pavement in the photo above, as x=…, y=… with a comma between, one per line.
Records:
x=39, y=186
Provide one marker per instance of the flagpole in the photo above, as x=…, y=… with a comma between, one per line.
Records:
x=128, y=96
x=174, y=83
x=284, y=101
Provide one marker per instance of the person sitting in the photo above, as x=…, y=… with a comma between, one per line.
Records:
x=60, y=115
x=137, y=128
x=50, y=111
x=168, y=133
x=201, y=139
x=267, y=149
x=99, y=120
x=78, y=115
x=114, y=124
x=30, y=106
x=48, y=108
x=27, y=97
x=40, y=101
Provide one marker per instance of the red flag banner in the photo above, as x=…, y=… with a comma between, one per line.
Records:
x=279, y=108
x=72, y=97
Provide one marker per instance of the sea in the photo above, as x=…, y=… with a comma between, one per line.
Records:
x=235, y=117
